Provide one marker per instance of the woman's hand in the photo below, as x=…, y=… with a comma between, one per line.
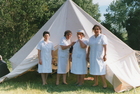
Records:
x=87, y=56
x=104, y=58
x=40, y=62
x=72, y=43
x=79, y=37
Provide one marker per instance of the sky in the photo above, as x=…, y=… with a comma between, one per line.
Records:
x=103, y=5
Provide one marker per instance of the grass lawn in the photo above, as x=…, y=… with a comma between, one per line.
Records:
x=30, y=83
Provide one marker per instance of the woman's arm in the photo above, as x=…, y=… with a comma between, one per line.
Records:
x=39, y=57
x=82, y=44
x=68, y=46
x=88, y=54
x=105, y=50
x=53, y=61
x=64, y=47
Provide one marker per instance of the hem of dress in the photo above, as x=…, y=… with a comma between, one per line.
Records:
x=44, y=72
x=79, y=73
x=62, y=73
x=98, y=74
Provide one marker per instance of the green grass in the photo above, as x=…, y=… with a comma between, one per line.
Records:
x=30, y=83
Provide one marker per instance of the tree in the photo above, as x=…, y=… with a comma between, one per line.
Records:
x=52, y=6
x=119, y=17
x=132, y=23
x=120, y=35
x=115, y=18
x=17, y=23
x=133, y=29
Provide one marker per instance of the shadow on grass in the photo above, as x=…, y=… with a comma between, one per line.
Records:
x=32, y=80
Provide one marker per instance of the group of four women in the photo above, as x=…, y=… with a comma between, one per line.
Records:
x=92, y=50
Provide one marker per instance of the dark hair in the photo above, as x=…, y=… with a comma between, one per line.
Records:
x=46, y=32
x=96, y=26
x=66, y=32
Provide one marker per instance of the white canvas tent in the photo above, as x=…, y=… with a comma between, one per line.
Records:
x=122, y=68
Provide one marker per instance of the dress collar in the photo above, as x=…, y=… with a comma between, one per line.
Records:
x=97, y=36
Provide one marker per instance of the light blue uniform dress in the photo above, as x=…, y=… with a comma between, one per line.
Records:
x=46, y=56
x=63, y=57
x=97, y=65
x=79, y=64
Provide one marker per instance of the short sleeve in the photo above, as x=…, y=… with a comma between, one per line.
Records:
x=85, y=41
x=52, y=47
x=104, y=40
x=62, y=42
x=89, y=40
x=39, y=46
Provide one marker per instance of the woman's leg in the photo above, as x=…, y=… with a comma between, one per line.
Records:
x=57, y=80
x=96, y=80
x=78, y=79
x=43, y=78
x=46, y=76
x=104, y=81
x=81, y=79
x=64, y=79
x=83, y=76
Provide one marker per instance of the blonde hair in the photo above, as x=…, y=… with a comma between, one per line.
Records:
x=0, y=57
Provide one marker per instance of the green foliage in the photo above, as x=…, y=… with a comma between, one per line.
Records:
x=133, y=29
x=120, y=35
x=17, y=23
x=115, y=19
x=21, y=19
x=132, y=23
x=120, y=14
x=52, y=7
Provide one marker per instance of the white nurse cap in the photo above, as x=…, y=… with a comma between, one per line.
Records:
x=81, y=31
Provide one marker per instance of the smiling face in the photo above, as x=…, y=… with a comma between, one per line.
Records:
x=68, y=36
x=97, y=30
